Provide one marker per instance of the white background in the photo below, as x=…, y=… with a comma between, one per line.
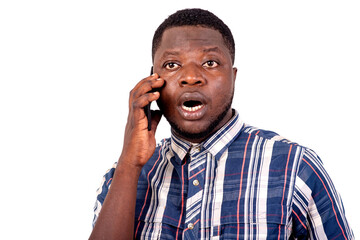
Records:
x=66, y=68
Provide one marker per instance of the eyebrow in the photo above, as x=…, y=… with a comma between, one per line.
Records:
x=177, y=53
x=213, y=49
x=169, y=53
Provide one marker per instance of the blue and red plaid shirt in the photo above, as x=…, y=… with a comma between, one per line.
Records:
x=242, y=183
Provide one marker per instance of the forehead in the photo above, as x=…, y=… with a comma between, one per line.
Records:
x=189, y=39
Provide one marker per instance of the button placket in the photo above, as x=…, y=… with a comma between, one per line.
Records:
x=196, y=173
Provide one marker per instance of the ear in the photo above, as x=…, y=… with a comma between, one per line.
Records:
x=234, y=73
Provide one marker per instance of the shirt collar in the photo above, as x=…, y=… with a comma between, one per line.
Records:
x=216, y=144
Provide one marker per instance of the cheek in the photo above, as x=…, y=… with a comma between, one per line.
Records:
x=168, y=91
x=223, y=86
x=221, y=95
x=166, y=100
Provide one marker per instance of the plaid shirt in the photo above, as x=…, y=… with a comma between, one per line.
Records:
x=242, y=183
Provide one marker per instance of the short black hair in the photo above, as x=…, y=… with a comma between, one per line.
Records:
x=195, y=17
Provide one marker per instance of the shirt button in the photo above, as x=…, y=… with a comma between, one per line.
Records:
x=190, y=226
x=196, y=182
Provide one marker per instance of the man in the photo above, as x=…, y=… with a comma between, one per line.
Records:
x=216, y=177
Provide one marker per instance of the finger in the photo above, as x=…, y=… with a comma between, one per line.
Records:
x=146, y=86
x=140, y=83
x=153, y=76
x=144, y=100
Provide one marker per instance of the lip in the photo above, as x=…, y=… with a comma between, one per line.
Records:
x=195, y=112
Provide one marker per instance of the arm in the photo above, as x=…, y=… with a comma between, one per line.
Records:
x=116, y=219
x=318, y=212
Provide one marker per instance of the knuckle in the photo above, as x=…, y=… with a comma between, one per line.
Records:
x=150, y=96
x=134, y=91
x=135, y=104
x=131, y=93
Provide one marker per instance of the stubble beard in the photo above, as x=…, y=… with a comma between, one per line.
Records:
x=204, y=134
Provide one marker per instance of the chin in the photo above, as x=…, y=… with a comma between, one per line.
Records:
x=192, y=132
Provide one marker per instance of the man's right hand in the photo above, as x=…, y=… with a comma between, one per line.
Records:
x=139, y=142
x=115, y=220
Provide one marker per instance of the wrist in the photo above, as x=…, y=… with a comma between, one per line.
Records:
x=128, y=165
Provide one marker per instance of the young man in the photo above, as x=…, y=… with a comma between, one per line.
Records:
x=216, y=177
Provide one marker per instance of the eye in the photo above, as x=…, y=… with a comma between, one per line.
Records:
x=171, y=66
x=210, y=64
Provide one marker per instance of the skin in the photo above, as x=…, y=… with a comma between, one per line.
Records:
x=194, y=64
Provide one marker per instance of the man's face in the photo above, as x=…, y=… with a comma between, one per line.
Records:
x=199, y=81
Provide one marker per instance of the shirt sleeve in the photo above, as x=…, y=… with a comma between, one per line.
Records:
x=317, y=210
x=102, y=191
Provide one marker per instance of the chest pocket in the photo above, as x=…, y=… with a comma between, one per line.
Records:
x=268, y=224
x=159, y=219
x=253, y=216
x=151, y=227
x=264, y=207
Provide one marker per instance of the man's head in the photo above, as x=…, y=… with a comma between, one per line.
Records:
x=196, y=63
x=195, y=17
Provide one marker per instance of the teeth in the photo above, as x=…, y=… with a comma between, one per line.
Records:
x=192, y=109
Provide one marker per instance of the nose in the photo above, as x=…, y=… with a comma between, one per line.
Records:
x=191, y=75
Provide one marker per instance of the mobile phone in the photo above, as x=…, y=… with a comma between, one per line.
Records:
x=147, y=107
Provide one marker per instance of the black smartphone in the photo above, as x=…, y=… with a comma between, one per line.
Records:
x=147, y=107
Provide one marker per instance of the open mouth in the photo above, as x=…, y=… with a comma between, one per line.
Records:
x=192, y=105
